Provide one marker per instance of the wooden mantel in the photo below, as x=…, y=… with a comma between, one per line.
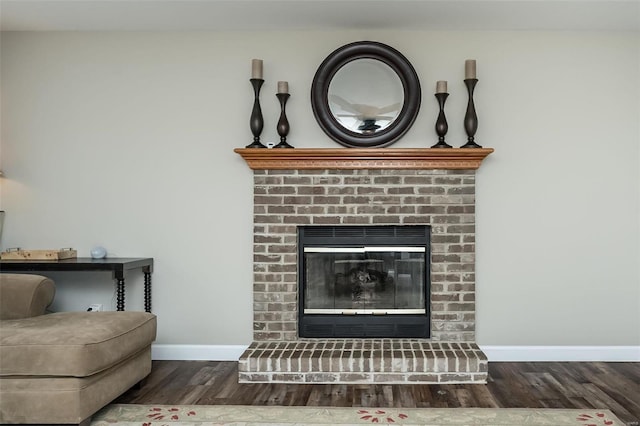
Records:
x=363, y=158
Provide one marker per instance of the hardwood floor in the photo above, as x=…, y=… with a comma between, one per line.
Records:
x=615, y=386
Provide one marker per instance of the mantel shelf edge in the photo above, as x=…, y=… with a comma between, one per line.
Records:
x=363, y=158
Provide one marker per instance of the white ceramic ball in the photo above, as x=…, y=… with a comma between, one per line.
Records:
x=98, y=252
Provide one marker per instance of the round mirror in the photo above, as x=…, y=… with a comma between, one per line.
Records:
x=365, y=94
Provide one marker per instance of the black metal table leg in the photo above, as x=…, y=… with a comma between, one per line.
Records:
x=147, y=290
x=120, y=294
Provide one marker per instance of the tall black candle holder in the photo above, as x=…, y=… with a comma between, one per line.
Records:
x=471, y=118
x=441, y=123
x=256, y=122
x=283, y=123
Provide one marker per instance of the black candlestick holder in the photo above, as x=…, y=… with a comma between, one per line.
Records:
x=441, y=123
x=470, y=118
x=283, y=123
x=256, y=122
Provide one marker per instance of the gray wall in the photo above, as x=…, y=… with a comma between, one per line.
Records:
x=126, y=140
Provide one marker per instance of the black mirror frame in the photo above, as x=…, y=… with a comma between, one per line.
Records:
x=369, y=50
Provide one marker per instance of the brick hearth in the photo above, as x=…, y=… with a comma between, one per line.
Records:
x=363, y=361
x=364, y=195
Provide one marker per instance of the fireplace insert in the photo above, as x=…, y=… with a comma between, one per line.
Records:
x=364, y=281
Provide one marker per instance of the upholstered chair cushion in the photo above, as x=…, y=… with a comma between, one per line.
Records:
x=75, y=344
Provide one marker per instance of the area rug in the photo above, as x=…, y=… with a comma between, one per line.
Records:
x=238, y=415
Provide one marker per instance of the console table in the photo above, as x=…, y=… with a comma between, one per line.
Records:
x=117, y=265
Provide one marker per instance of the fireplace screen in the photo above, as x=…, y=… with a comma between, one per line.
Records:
x=364, y=281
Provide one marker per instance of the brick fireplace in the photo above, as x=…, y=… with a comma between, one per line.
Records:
x=298, y=187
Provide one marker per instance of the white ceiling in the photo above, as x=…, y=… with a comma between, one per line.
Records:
x=179, y=15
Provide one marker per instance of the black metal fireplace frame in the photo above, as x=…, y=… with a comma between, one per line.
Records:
x=364, y=325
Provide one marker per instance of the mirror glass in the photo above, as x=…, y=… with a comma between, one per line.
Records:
x=365, y=96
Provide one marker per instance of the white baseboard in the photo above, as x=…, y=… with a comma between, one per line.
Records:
x=197, y=352
x=494, y=353
x=563, y=353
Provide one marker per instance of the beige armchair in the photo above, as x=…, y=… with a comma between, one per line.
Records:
x=61, y=368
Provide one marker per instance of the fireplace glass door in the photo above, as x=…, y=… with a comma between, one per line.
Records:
x=364, y=280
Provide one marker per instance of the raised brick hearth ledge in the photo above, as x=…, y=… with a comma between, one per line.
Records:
x=390, y=361
x=354, y=186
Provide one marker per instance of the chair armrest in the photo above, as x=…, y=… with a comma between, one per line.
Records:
x=24, y=295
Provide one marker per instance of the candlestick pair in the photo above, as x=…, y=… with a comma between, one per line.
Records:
x=256, y=122
x=470, y=118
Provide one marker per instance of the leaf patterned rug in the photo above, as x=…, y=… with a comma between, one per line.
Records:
x=238, y=415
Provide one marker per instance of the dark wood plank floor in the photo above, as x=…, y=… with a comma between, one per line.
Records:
x=615, y=386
